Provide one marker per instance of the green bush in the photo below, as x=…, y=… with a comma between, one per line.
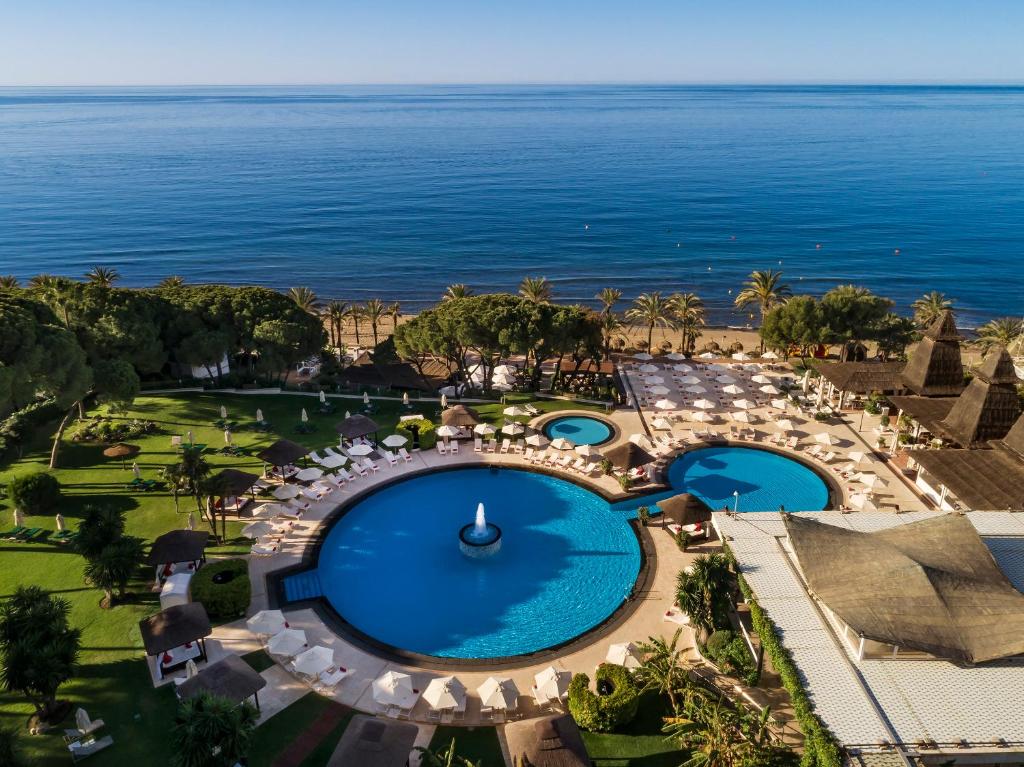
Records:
x=229, y=599
x=717, y=643
x=36, y=493
x=604, y=713
x=730, y=653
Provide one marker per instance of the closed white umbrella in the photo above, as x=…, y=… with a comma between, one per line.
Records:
x=395, y=440
x=285, y=492
x=348, y=414
x=135, y=470
x=366, y=398
x=191, y=669
x=513, y=429
x=725, y=379
x=267, y=622
x=696, y=389
x=661, y=424
x=287, y=642
x=626, y=654
x=61, y=524
x=770, y=389
x=689, y=380
x=313, y=661
x=444, y=693
x=784, y=424
x=310, y=474
x=392, y=687
x=257, y=529
x=761, y=378
x=363, y=449
x=323, y=397
x=227, y=436
x=484, y=429
x=444, y=401
x=781, y=404
x=824, y=438
x=705, y=404
x=733, y=389
x=665, y=404
x=642, y=356
x=499, y=693
x=223, y=412
x=515, y=411
x=744, y=404
x=259, y=415
x=304, y=416
x=551, y=683
x=19, y=518
x=190, y=523
x=405, y=398
x=742, y=416
x=561, y=443
x=536, y=440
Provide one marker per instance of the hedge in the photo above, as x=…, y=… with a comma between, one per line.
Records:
x=604, y=713
x=223, y=600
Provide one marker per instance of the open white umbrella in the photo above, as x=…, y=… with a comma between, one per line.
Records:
x=267, y=622
x=742, y=357
x=313, y=661
x=696, y=389
x=513, y=429
x=675, y=356
x=484, y=429
x=323, y=397
x=744, y=404
x=304, y=416
x=257, y=529
x=652, y=380
x=268, y=510
x=769, y=355
x=725, y=379
x=682, y=368
x=689, y=380
x=259, y=415
x=761, y=378
x=870, y=481
x=733, y=389
x=658, y=391
x=666, y=404
x=855, y=457
x=784, y=424
x=642, y=356
x=395, y=440
x=741, y=416
x=506, y=370
x=515, y=411
x=223, y=412
x=779, y=404
x=287, y=642
x=499, y=693
x=701, y=417
x=648, y=368
x=309, y=475
x=348, y=414
x=551, y=683
x=392, y=687
x=445, y=692
x=705, y=404
x=561, y=443
x=536, y=440
x=707, y=356
x=587, y=451
x=770, y=389
x=364, y=449
x=863, y=502
x=626, y=654
x=285, y=492
x=824, y=438
x=661, y=424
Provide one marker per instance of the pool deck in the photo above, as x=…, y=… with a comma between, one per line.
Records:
x=647, y=615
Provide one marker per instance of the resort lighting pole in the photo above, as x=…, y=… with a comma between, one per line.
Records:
x=736, y=502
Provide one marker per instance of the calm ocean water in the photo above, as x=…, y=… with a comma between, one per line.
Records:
x=399, y=191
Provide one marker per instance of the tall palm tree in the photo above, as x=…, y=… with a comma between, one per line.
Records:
x=536, y=290
x=930, y=307
x=102, y=276
x=355, y=313
x=210, y=731
x=173, y=281
x=764, y=288
x=1005, y=331
x=688, y=309
x=55, y=291
x=374, y=311
x=610, y=325
x=115, y=565
x=711, y=734
x=336, y=313
x=458, y=290
x=304, y=298
x=650, y=310
x=703, y=593
x=664, y=668
x=8, y=282
x=395, y=312
x=608, y=297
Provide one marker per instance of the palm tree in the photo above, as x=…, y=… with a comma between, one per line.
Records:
x=610, y=325
x=55, y=291
x=458, y=290
x=608, y=297
x=664, y=668
x=102, y=276
x=210, y=731
x=395, y=312
x=116, y=564
x=374, y=311
x=1005, y=331
x=650, y=310
x=447, y=757
x=703, y=591
x=536, y=290
x=304, y=298
x=930, y=307
x=337, y=311
x=711, y=735
x=764, y=288
x=8, y=282
x=688, y=309
x=174, y=281
x=355, y=313
x=101, y=526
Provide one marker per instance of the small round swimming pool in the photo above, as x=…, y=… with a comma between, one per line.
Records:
x=766, y=481
x=393, y=569
x=581, y=429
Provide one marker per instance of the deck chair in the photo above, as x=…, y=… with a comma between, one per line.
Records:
x=453, y=447
x=492, y=445
x=505, y=445
x=441, y=448
x=366, y=463
x=81, y=749
x=528, y=455
x=478, y=445
x=405, y=455
x=390, y=457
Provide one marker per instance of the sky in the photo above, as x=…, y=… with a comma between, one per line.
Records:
x=236, y=42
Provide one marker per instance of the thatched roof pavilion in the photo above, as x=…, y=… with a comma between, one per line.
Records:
x=230, y=483
x=629, y=456
x=931, y=586
x=175, y=627
x=231, y=678
x=553, y=741
x=178, y=546
x=935, y=368
x=282, y=453
x=685, y=509
x=357, y=425
x=372, y=742
x=989, y=405
x=459, y=415
x=983, y=480
x=863, y=377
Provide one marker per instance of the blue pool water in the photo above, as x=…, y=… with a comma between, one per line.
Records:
x=580, y=429
x=392, y=566
x=765, y=480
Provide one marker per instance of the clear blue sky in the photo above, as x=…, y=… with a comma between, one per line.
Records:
x=114, y=42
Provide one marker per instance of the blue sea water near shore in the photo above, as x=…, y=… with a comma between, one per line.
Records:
x=399, y=191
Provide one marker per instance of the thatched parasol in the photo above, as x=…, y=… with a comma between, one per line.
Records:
x=357, y=425
x=628, y=456
x=685, y=509
x=122, y=451
x=460, y=415
x=282, y=453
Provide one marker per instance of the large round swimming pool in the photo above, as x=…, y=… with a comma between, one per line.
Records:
x=581, y=429
x=392, y=568
x=766, y=481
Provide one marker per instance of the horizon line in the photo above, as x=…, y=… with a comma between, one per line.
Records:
x=992, y=83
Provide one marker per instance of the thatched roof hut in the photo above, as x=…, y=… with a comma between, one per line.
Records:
x=231, y=678
x=372, y=742
x=989, y=405
x=553, y=741
x=984, y=480
x=935, y=368
x=685, y=509
x=230, y=483
x=629, y=456
x=931, y=586
x=357, y=425
x=282, y=453
x=174, y=627
x=459, y=415
x=178, y=546
x=863, y=377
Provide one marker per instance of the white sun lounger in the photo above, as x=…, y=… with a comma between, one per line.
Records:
x=344, y=476
x=793, y=443
x=478, y=445
x=540, y=457
x=404, y=455
x=440, y=447
x=390, y=457
x=331, y=678
x=260, y=550
x=492, y=445
x=366, y=463
x=505, y=445
x=591, y=469
x=312, y=455
x=80, y=749
x=453, y=447
x=359, y=469
x=828, y=457
x=579, y=464
x=528, y=455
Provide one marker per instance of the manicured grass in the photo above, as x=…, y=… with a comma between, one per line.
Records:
x=258, y=660
x=478, y=744
x=277, y=734
x=113, y=682
x=641, y=744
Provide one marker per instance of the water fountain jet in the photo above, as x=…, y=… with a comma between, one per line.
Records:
x=480, y=538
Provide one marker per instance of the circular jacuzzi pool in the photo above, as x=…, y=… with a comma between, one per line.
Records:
x=581, y=429
x=392, y=567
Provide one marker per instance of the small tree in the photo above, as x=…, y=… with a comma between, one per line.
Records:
x=38, y=647
x=36, y=493
x=703, y=592
x=210, y=731
x=444, y=757
x=114, y=566
x=664, y=668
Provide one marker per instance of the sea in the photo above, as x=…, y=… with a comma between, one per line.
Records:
x=399, y=191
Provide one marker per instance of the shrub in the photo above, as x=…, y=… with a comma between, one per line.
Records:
x=228, y=598
x=821, y=416
x=644, y=515
x=604, y=713
x=682, y=539
x=36, y=493
x=717, y=643
x=625, y=482
x=731, y=654
x=606, y=466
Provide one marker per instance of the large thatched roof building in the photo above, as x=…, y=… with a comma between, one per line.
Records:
x=553, y=741
x=935, y=369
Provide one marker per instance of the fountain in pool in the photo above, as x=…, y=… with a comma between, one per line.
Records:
x=480, y=538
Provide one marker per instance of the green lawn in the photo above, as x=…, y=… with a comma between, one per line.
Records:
x=479, y=744
x=281, y=729
x=113, y=682
x=641, y=744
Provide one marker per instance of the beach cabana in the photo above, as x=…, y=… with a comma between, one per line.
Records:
x=628, y=456
x=372, y=742
x=355, y=426
x=930, y=586
x=684, y=509
x=231, y=678
x=282, y=453
x=935, y=367
x=175, y=636
x=178, y=550
x=460, y=416
x=553, y=741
